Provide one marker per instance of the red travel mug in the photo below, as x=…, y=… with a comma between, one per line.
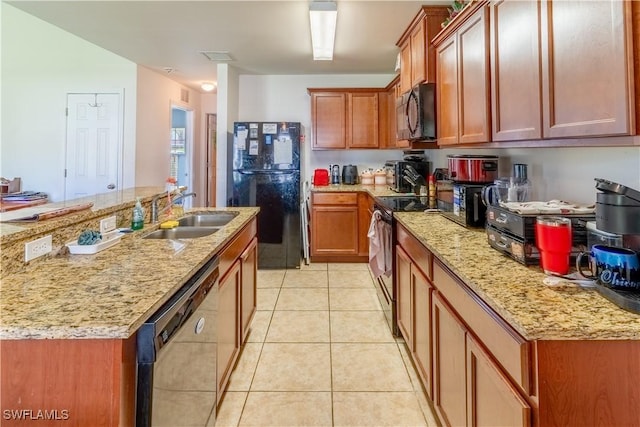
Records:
x=553, y=239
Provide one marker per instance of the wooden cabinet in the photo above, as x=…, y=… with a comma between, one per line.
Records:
x=491, y=398
x=403, y=298
x=417, y=56
x=248, y=291
x=365, y=211
x=413, y=275
x=516, y=94
x=329, y=122
x=362, y=120
x=462, y=83
x=228, y=325
x=587, y=68
x=449, y=367
x=334, y=224
x=345, y=118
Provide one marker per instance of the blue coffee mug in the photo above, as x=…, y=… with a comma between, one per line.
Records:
x=616, y=268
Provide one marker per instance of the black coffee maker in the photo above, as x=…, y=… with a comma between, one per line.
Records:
x=334, y=172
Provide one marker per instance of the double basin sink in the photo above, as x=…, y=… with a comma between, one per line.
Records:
x=195, y=225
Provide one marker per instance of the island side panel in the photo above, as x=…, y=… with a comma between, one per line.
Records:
x=71, y=382
x=586, y=383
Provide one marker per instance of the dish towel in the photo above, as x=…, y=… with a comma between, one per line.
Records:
x=380, y=256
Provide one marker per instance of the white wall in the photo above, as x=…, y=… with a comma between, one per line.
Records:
x=227, y=108
x=156, y=95
x=40, y=65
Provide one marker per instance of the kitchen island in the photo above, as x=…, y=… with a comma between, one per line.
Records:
x=68, y=322
x=495, y=345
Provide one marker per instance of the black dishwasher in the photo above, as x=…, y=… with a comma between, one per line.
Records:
x=176, y=354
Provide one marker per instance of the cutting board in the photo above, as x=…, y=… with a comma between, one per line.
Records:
x=41, y=213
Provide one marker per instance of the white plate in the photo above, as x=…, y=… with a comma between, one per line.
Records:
x=108, y=239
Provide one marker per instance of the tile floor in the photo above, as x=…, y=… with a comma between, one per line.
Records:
x=321, y=354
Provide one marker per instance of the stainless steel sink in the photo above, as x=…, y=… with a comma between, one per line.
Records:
x=207, y=219
x=182, y=233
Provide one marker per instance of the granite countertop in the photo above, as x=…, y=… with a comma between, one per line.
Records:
x=103, y=204
x=108, y=294
x=516, y=292
x=373, y=190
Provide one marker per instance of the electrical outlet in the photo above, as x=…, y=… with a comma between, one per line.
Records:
x=37, y=248
x=108, y=224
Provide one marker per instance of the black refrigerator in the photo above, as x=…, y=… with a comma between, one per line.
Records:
x=265, y=172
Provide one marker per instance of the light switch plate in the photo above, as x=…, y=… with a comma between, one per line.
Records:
x=108, y=224
x=37, y=248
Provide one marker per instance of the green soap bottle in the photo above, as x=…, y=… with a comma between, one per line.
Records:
x=137, y=221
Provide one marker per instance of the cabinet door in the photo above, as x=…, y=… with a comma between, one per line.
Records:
x=328, y=112
x=248, y=294
x=586, y=78
x=447, y=91
x=365, y=202
x=418, y=54
x=362, y=120
x=334, y=230
x=403, y=299
x=228, y=327
x=422, y=326
x=515, y=70
x=491, y=398
x=473, y=79
x=405, y=67
x=449, y=393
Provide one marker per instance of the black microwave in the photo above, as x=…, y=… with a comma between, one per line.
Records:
x=416, y=113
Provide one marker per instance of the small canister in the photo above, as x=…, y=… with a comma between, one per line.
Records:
x=380, y=177
x=366, y=178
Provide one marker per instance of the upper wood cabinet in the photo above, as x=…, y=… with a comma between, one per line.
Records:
x=345, y=118
x=587, y=68
x=516, y=94
x=462, y=82
x=362, y=120
x=417, y=55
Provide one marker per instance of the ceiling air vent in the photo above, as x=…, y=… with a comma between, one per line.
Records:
x=184, y=95
x=217, y=56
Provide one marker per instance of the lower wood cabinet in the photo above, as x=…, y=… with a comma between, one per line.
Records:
x=228, y=325
x=492, y=400
x=422, y=295
x=403, y=298
x=339, y=225
x=449, y=367
x=248, y=292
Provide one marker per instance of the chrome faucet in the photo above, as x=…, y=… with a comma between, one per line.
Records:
x=155, y=214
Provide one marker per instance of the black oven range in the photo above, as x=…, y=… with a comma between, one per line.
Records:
x=385, y=283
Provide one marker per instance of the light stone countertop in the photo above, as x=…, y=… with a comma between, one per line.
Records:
x=517, y=293
x=373, y=190
x=108, y=294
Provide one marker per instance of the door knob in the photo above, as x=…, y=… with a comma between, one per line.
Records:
x=111, y=186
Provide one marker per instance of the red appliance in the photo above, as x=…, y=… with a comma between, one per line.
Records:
x=321, y=177
x=473, y=168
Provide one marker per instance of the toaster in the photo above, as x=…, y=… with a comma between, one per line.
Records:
x=321, y=177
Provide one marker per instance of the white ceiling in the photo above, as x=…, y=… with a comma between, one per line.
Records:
x=263, y=37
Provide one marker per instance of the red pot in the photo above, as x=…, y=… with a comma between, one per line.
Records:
x=473, y=168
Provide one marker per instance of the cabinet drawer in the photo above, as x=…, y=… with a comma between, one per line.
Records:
x=232, y=251
x=418, y=253
x=335, y=198
x=510, y=350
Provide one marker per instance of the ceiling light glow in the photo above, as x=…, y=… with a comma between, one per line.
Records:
x=208, y=87
x=322, y=18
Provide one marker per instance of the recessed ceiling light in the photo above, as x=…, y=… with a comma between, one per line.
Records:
x=217, y=56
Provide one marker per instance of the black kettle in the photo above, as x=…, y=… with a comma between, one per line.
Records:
x=350, y=174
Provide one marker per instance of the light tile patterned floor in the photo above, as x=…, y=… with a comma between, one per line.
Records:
x=320, y=353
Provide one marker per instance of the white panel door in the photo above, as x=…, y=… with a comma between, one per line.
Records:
x=94, y=129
